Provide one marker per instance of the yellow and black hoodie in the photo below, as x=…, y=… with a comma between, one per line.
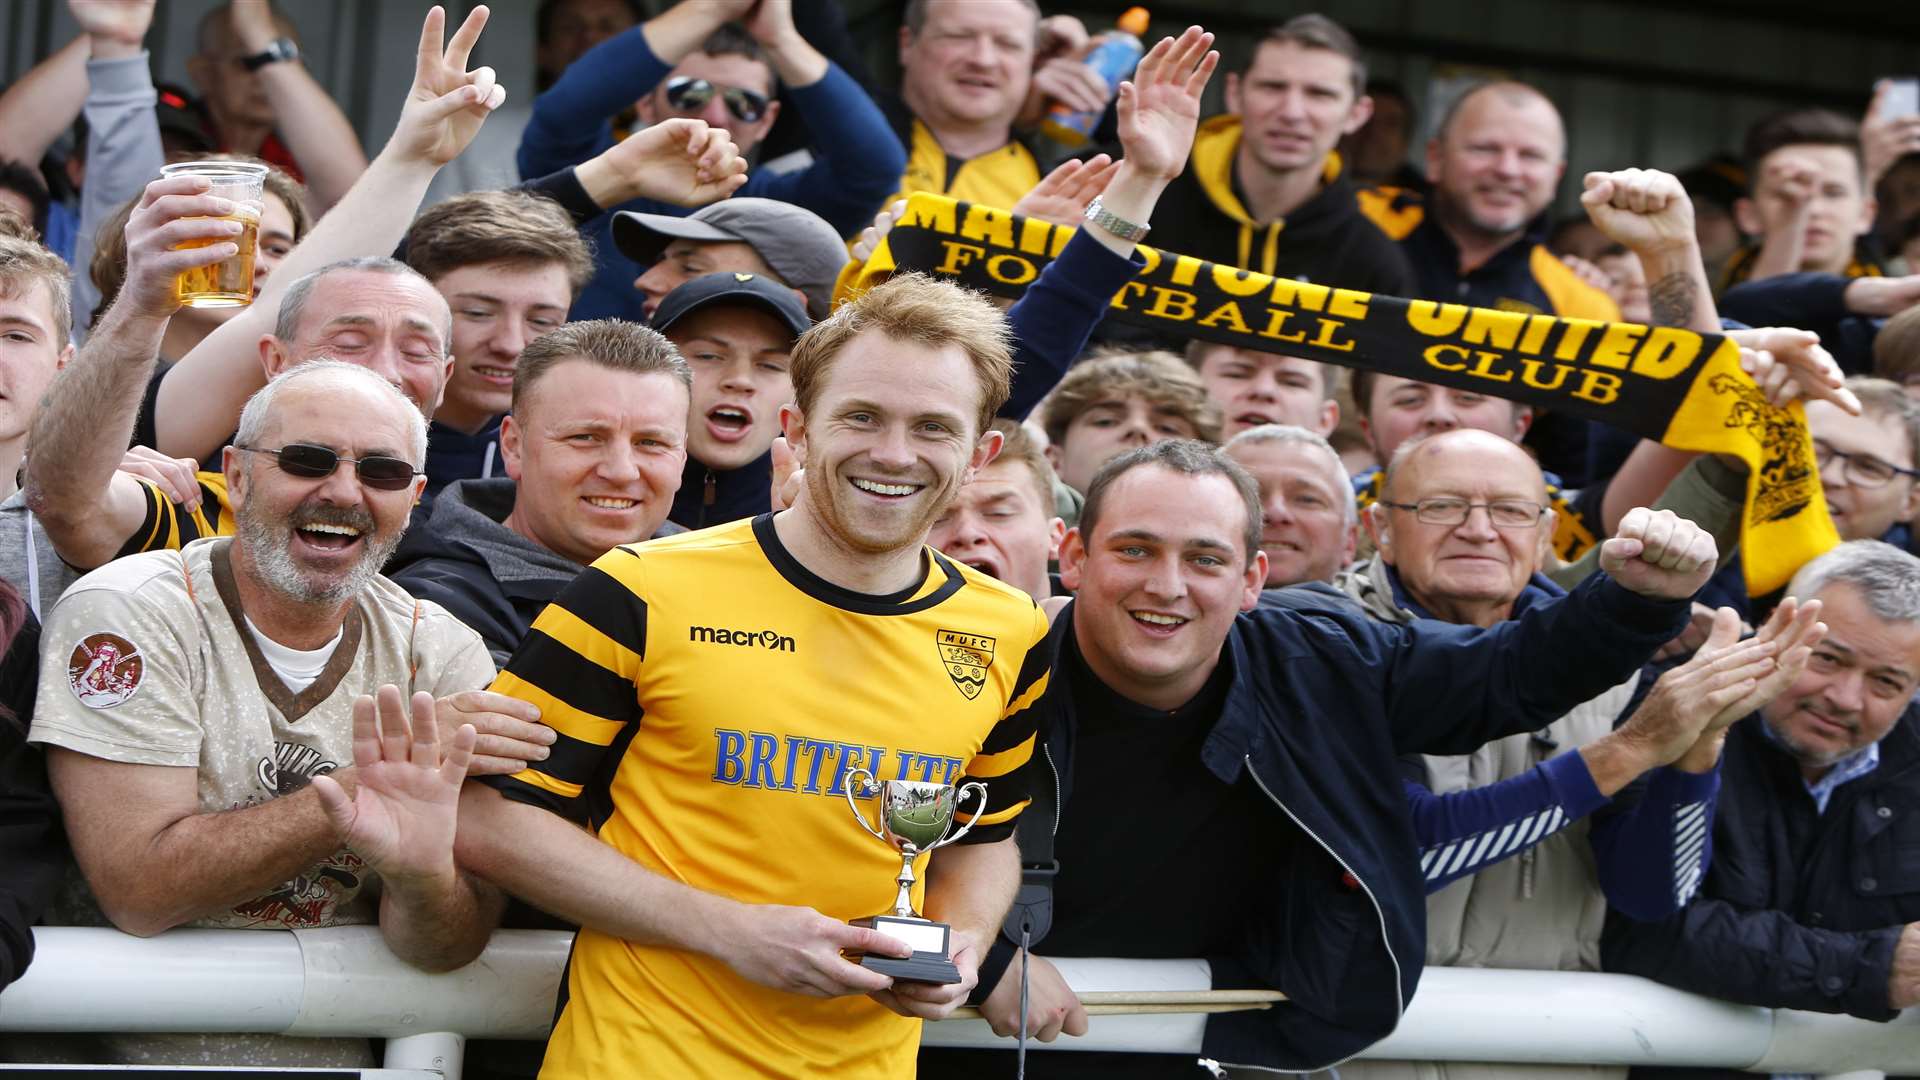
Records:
x=1326, y=241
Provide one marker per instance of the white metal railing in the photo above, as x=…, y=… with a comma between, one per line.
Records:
x=344, y=982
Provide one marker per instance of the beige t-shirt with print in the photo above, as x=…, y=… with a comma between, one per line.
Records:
x=147, y=661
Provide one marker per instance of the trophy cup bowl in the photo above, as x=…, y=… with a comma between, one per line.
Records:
x=915, y=817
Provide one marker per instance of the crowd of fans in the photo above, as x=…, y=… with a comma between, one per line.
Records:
x=363, y=603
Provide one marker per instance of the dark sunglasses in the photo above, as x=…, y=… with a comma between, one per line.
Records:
x=313, y=462
x=688, y=94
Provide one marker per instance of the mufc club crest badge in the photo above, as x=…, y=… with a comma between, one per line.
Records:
x=105, y=670
x=966, y=658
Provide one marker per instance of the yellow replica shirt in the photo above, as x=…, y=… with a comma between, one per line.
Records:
x=997, y=178
x=711, y=696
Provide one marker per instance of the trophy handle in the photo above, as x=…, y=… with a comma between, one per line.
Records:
x=855, y=807
x=960, y=797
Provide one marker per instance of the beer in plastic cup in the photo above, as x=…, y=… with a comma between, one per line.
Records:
x=229, y=282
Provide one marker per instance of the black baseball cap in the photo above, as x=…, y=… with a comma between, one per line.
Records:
x=732, y=287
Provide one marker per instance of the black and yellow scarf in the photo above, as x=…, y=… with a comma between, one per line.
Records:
x=1682, y=388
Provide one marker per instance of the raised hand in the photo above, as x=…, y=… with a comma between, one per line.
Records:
x=508, y=731
x=870, y=237
x=1659, y=554
x=253, y=24
x=1787, y=364
x=1642, y=209
x=121, y=21
x=447, y=103
x=1160, y=105
x=402, y=813
x=1884, y=139
x=173, y=211
x=681, y=161
x=1062, y=195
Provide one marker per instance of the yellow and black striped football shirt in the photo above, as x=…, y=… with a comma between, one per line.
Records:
x=711, y=696
x=170, y=527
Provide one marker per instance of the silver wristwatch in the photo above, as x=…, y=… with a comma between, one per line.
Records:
x=1113, y=223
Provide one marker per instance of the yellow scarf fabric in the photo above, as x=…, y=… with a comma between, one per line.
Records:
x=1682, y=388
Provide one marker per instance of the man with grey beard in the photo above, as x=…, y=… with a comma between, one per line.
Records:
x=189, y=697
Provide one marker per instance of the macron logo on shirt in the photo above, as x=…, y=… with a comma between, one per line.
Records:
x=770, y=640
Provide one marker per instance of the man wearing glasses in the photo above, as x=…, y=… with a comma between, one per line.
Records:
x=189, y=697
x=720, y=61
x=1462, y=528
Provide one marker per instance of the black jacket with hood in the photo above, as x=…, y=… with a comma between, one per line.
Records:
x=1327, y=241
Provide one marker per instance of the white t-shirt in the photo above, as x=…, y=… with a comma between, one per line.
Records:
x=298, y=668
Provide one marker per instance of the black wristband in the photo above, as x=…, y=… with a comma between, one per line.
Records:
x=993, y=967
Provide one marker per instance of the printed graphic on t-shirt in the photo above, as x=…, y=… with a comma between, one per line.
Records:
x=104, y=670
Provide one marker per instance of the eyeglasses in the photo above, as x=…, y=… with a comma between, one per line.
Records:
x=688, y=94
x=1860, y=470
x=1449, y=510
x=313, y=462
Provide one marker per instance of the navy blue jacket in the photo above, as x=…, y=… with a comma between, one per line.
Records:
x=1323, y=699
x=857, y=158
x=1801, y=909
x=1811, y=301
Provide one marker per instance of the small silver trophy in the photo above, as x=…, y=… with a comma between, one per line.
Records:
x=914, y=819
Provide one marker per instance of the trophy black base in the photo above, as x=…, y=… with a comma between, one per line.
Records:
x=930, y=962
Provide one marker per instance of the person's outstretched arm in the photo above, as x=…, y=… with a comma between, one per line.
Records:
x=857, y=158
x=317, y=133
x=572, y=120
x=123, y=136
x=42, y=104
x=1159, y=110
x=200, y=397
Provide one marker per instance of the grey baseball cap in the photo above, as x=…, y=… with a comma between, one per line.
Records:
x=797, y=244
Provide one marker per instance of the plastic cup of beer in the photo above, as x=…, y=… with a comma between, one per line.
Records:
x=229, y=282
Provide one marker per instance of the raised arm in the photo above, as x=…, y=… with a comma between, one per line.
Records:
x=1449, y=689
x=315, y=130
x=123, y=136
x=200, y=397
x=87, y=507
x=42, y=104
x=1159, y=110
x=572, y=119
x=858, y=159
